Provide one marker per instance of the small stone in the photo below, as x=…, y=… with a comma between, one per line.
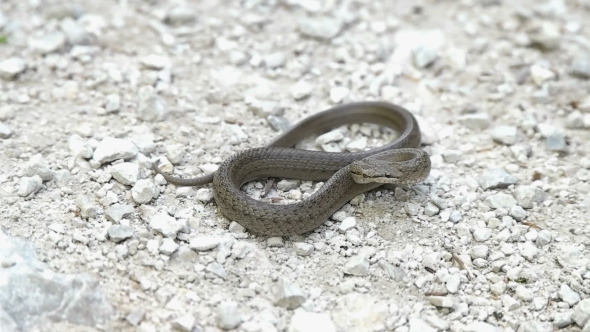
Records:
x=539, y=303
x=476, y=121
x=507, y=135
x=288, y=295
x=236, y=228
x=79, y=147
x=509, y=303
x=168, y=246
x=562, y=319
x=331, y=136
x=581, y=67
x=543, y=238
x=48, y=43
x=228, y=316
x=418, y=325
x=540, y=75
x=357, y=145
x=546, y=129
x=338, y=94
x=479, y=251
x=357, y=265
x=431, y=209
x=453, y=283
x=411, y=208
x=535, y=326
x=5, y=131
x=144, y=144
x=575, y=120
x=11, y=68
x=286, y=185
x=155, y=61
x=7, y=112
x=528, y=250
x=498, y=288
x=275, y=241
x=424, y=55
x=556, y=142
x=524, y=293
x=180, y=15
x=495, y=179
x=119, y=233
x=203, y=243
x=531, y=235
x=303, y=321
x=58, y=228
x=332, y=147
x=517, y=212
x=452, y=156
x=174, y=153
x=217, y=269
x=75, y=33
x=455, y=216
x=347, y=223
x=278, y=123
x=110, y=149
x=584, y=105
x=125, y=173
x=581, y=314
x=204, y=195
x=568, y=295
x=135, y=317
x=546, y=37
x=117, y=212
x=323, y=28
x=209, y=168
x=151, y=107
x=500, y=200
x=36, y=166
x=264, y=108
x=86, y=206
x=302, y=248
x=441, y=301
x=84, y=129
x=275, y=60
x=144, y=191
x=166, y=225
x=421, y=282
x=481, y=327
x=527, y=196
x=71, y=89
x=113, y=103
x=184, y=323
x=186, y=192
x=301, y=90
x=394, y=272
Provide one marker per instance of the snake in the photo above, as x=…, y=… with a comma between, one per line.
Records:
x=346, y=174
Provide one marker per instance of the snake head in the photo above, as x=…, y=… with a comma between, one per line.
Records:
x=401, y=166
x=373, y=170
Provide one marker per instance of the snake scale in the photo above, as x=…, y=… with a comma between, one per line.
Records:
x=346, y=174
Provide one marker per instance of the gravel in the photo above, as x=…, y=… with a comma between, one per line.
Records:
x=92, y=94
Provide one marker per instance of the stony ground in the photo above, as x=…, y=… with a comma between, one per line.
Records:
x=93, y=92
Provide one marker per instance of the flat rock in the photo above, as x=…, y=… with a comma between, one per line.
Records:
x=110, y=149
x=496, y=178
x=11, y=68
x=58, y=297
x=288, y=295
x=117, y=212
x=303, y=321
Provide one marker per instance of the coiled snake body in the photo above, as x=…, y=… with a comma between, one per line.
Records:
x=347, y=174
